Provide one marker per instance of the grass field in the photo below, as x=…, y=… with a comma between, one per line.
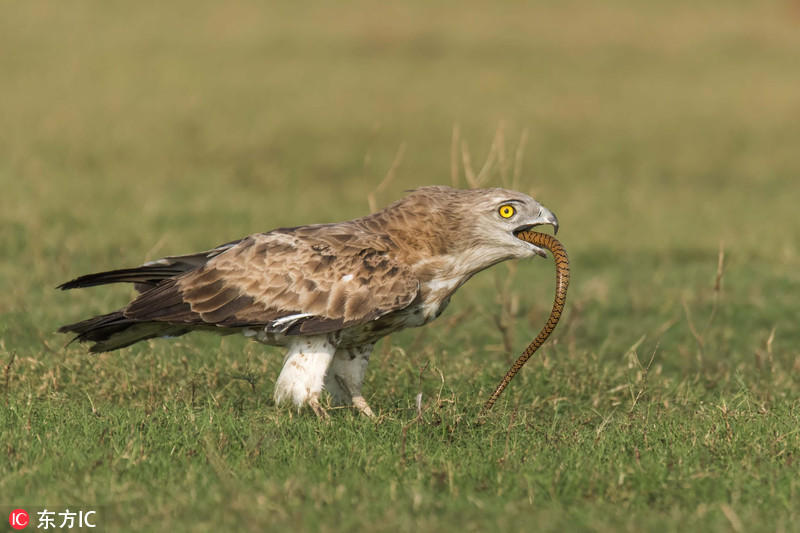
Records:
x=665, y=135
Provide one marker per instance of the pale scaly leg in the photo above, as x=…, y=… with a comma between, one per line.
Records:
x=303, y=374
x=346, y=375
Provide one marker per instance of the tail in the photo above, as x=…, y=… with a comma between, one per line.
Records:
x=114, y=330
x=149, y=274
x=145, y=277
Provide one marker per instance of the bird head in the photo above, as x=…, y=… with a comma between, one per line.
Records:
x=492, y=219
x=505, y=213
x=478, y=226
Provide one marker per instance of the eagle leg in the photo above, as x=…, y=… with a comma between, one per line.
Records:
x=361, y=404
x=346, y=375
x=313, y=403
x=303, y=373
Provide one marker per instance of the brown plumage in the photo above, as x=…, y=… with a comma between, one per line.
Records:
x=322, y=288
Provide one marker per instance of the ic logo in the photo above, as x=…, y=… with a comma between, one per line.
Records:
x=18, y=519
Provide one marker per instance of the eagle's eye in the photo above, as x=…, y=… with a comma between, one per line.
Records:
x=506, y=211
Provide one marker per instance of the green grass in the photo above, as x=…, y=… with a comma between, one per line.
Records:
x=658, y=132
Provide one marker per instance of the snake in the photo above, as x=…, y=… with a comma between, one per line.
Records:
x=562, y=283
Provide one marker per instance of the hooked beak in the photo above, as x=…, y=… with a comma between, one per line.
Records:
x=549, y=217
x=545, y=217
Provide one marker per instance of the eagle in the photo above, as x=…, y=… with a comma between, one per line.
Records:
x=325, y=292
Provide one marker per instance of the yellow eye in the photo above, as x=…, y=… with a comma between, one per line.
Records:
x=506, y=211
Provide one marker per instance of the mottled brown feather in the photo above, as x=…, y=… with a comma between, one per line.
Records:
x=305, y=270
x=323, y=278
x=339, y=274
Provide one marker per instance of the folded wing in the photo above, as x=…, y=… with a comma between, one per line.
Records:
x=291, y=282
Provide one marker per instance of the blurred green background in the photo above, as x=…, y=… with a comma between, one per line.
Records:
x=652, y=124
x=659, y=132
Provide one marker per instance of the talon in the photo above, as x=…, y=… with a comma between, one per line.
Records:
x=315, y=406
x=361, y=404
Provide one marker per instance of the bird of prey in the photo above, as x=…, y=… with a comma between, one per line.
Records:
x=325, y=292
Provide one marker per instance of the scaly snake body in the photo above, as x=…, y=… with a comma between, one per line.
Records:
x=562, y=282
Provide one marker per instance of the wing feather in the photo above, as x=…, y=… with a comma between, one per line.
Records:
x=319, y=278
